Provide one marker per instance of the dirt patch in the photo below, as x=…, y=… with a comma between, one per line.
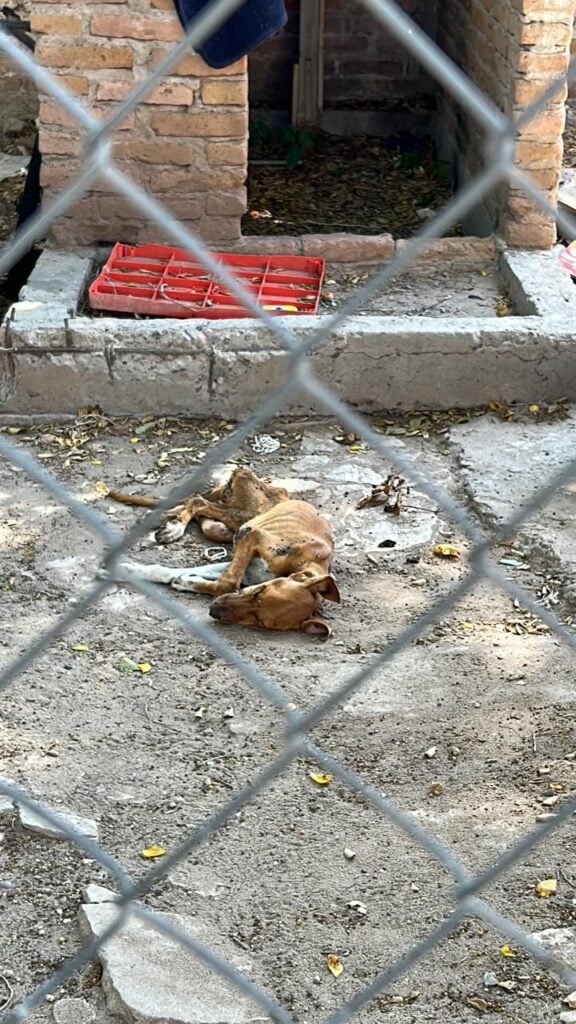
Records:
x=362, y=185
x=128, y=749
x=434, y=292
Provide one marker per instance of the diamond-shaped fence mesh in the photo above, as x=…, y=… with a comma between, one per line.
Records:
x=468, y=898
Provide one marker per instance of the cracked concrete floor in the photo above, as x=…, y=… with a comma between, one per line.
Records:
x=486, y=687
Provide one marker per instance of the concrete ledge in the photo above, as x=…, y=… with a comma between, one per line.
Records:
x=54, y=360
x=346, y=248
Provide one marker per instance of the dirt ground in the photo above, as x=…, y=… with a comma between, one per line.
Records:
x=360, y=184
x=486, y=686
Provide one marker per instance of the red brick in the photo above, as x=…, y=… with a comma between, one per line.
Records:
x=226, y=204
x=148, y=152
x=544, y=127
x=458, y=250
x=271, y=245
x=344, y=248
x=225, y=93
x=535, y=8
x=220, y=154
x=185, y=208
x=216, y=229
x=55, y=24
x=547, y=178
x=76, y=84
x=194, y=67
x=526, y=92
x=166, y=94
x=192, y=181
x=52, y=113
x=201, y=124
x=84, y=56
x=538, y=154
x=545, y=35
x=520, y=208
x=128, y=26
x=59, y=143
x=529, y=236
x=541, y=64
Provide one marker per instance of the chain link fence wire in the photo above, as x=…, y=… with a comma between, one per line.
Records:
x=501, y=133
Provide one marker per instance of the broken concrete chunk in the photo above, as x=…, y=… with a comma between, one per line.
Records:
x=6, y=802
x=33, y=821
x=197, y=879
x=149, y=977
x=561, y=942
x=94, y=893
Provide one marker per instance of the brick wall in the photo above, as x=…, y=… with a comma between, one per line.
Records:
x=363, y=64
x=187, y=143
x=512, y=49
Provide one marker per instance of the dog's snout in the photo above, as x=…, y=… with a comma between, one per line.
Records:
x=214, y=610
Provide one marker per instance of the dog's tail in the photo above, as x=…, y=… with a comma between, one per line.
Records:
x=133, y=499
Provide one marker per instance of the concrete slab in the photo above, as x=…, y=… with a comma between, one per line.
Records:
x=34, y=822
x=343, y=479
x=505, y=465
x=56, y=359
x=148, y=977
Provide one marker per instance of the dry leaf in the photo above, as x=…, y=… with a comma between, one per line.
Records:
x=321, y=778
x=436, y=789
x=547, y=887
x=389, y=494
x=144, y=666
x=335, y=965
x=446, y=551
x=503, y=411
x=477, y=1003
x=507, y=951
x=151, y=852
x=79, y=647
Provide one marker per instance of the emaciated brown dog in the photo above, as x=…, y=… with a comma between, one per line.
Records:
x=290, y=536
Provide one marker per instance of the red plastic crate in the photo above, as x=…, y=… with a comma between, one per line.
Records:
x=159, y=280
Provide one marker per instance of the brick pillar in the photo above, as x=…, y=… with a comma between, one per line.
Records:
x=539, y=51
x=187, y=143
x=512, y=49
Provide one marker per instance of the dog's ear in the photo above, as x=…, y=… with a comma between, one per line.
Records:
x=317, y=627
x=325, y=585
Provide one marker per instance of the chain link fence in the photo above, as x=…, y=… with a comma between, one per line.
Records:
x=98, y=164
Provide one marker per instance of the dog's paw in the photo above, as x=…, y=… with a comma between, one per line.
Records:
x=186, y=583
x=171, y=530
x=121, y=571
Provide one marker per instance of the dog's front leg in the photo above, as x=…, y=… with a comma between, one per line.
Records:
x=245, y=549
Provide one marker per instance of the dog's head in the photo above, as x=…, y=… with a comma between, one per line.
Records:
x=288, y=602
